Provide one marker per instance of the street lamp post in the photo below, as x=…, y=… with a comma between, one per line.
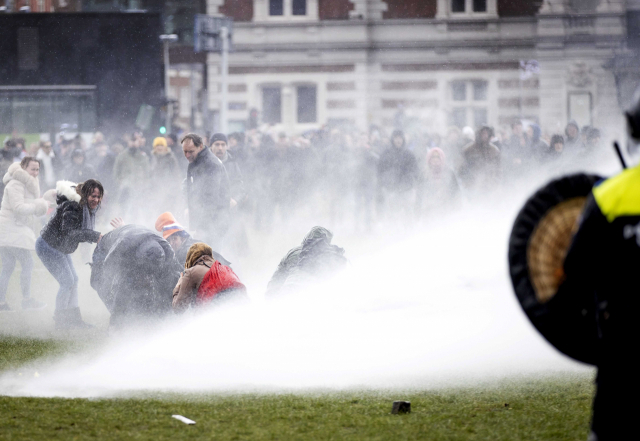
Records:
x=166, y=39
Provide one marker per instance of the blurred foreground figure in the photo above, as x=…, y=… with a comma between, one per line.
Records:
x=603, y=261
x=205, y=280
x=574, y=254
x=313, y=261
x=179, y=239
x=134, y=272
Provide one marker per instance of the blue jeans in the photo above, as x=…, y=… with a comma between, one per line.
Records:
x=9, y=257
x=61, y=268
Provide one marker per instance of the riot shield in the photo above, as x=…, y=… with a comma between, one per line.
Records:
x=540, y=239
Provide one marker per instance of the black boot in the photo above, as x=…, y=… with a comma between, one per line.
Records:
x=76, y=319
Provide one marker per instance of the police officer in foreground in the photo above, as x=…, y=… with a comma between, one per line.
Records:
x=604, y=261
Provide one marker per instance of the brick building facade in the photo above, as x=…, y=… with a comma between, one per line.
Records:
x=304, y=63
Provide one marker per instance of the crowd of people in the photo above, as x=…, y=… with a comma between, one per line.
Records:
x=224, y=185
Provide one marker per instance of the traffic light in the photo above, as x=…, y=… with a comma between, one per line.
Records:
x=163, y=130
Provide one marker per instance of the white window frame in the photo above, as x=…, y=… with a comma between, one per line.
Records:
x=469, y=103
x=261, y=11
x=444, y=10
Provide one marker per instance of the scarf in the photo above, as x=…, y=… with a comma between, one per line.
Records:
x=88, y=218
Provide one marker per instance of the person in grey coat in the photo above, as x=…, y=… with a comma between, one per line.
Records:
x=208, y=192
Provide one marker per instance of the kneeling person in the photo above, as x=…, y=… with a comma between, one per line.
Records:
x=205, y=280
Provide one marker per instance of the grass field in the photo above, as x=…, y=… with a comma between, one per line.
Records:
x=556, y=409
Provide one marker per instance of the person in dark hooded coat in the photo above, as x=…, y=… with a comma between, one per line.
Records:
x=481, y=165
x=573, y=143
x=537, y=149
x=313, y=260
x=398, y=175
x=134, y=273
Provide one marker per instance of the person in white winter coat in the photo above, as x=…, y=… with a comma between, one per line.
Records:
x=21, y=205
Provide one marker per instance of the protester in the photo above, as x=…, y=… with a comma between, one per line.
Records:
x=48, y=161
x=204, y=279
x=314, y=259
x=397, y=177
x=164, y=174
x=573, y=143
x=208, y=193
x=481, y=167
x=537, y=149
x=439, y=187
x=179, y=239
x=21, y=204
x=131, y=172
x=237, y=236
x=72, y=224
x=134, y=272
x=79, y=170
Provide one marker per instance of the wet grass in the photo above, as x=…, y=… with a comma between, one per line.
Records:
x=552, y=409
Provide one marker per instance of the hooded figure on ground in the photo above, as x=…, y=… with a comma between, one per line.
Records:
x=73, y=223
x=179, y=239
x=21, y=205
x=312, y=261
x=134, y=272
x=205, y=280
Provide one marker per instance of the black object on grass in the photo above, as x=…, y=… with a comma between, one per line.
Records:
x=401, y=407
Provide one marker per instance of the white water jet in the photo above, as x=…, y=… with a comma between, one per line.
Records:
x=435, y=309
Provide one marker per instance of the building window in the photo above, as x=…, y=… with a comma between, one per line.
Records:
x=272, y=105
x=462, y=8
x=479, y=5
x=469, y=103
x=307, y=104
x=299, y=7
x=285, y=9
x=458, y=5
x=276, y=7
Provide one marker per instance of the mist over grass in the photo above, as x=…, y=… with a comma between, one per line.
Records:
x=425, y=307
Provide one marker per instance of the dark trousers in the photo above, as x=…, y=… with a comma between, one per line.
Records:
x=9, y=257
x=61, y=268
x=614, y=408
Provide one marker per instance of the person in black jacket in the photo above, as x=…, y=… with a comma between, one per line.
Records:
x=134, y=273
x=397, y=178
x=208, y=193
x=72, y=223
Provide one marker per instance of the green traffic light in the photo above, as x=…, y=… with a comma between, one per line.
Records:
x=163, y=130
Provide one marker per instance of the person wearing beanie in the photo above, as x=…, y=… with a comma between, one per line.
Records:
x=159, y=141
x=165, y=176
x=218, y=137
x=179, y=239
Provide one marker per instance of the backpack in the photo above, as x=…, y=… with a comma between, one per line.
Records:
x=218, y=279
